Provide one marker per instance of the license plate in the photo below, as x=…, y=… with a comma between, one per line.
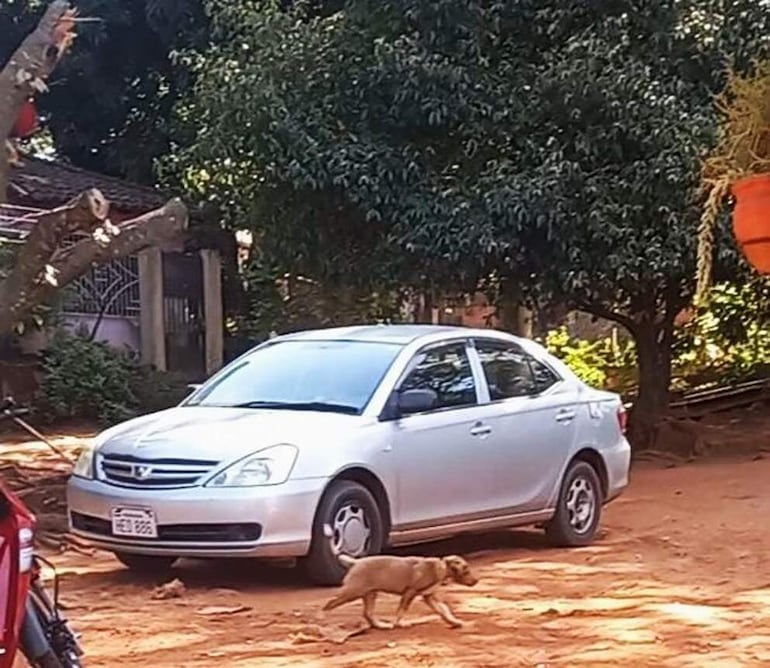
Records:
x=134, y=523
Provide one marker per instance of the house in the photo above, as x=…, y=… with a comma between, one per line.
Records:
x=165, y=303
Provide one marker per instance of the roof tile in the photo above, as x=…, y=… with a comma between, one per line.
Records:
x=49, y=183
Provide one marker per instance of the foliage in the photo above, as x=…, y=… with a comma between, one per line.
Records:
x=729, y=339
x=87, y=379
x=156, y=390
x=742, y=149
x=110, y=100
x=605, y=363
x=91, y=380
x=279, y=303
x=464, y=133
x=43, y=315
x=726, y=339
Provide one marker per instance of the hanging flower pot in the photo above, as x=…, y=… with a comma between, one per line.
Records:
x=26, y=122
x=751, y=220
x=738, y=163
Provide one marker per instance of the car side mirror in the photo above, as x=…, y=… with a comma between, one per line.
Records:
x=409, y=402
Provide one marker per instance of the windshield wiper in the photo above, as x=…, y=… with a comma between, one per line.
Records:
x=320, y=406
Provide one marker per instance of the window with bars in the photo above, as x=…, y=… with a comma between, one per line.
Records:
x=107, y=289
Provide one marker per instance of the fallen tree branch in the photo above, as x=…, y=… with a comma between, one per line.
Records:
x=45, y=264
x=28, y=68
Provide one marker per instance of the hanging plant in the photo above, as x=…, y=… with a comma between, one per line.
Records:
x=739, y=165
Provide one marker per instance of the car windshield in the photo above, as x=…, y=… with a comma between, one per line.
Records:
x=335, y=376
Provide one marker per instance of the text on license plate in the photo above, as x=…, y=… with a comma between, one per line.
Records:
x=134, y=523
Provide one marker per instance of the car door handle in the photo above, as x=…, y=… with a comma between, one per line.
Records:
x=565, y=415
x=481, y=430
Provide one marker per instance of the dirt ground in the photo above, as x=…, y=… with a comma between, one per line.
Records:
x=679, y=577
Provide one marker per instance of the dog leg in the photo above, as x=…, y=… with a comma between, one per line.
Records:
x=340, y=599
x=403, y=606
x=369, y=600
x=442, y=610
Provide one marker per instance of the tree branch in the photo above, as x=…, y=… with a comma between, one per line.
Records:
x=27, y=70
x=601, y=312
x=43, y=265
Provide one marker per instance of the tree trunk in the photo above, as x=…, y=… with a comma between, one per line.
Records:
x=653, y=334
x=513, y=315
x=424, y=314
x=654, y=358
x=27, y=69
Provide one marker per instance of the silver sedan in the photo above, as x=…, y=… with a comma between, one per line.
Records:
x=390, y=434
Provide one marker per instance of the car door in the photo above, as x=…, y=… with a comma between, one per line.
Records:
x=439, y=453
x=532, y=414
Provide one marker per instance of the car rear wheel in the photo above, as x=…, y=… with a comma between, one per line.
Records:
x=357, y=530
x=145, y=564
x=579, y=508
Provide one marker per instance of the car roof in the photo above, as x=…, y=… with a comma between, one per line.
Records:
x=397, y=334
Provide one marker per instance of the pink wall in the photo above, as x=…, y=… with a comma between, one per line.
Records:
x=117, y=331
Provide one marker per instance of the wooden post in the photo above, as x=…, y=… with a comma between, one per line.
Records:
x=213, y=314
x=152, y=326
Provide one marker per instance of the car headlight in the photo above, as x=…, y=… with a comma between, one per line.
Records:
x=84, y=466
x=270, y=466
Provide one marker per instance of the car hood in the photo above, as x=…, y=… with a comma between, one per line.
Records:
x=220, y=434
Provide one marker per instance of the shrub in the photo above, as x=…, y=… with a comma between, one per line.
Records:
x=603, y=363
x=93, y=381
x=157, y=390
x=728, y=339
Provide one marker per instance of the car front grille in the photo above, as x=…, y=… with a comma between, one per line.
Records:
x=129, y=471
x=177, y=533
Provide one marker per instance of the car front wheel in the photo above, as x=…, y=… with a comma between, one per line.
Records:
x=357, y=530
x=579, y=508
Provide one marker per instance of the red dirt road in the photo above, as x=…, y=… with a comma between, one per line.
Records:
x=680, y=578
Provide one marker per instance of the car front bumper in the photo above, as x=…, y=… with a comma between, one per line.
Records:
x=270, y=521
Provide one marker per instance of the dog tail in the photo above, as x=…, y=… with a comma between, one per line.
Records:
x=344, y=559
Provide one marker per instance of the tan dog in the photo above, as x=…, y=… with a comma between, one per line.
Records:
x=408, y=577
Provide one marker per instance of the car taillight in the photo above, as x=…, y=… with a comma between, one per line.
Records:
x=622, y=419
x=26, y=549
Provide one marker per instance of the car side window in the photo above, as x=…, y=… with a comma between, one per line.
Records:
x=544, y=377
x=511, y=372
x=447, y=371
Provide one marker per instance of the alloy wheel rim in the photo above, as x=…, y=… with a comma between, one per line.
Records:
x=581, y=505
x=352, y=531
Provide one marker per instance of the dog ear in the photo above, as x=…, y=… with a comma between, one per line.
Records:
x=457, y=567
x=452, y=563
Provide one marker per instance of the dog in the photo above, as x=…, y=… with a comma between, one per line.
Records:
x=408, y=577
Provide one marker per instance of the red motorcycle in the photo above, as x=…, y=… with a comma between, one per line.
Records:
x=30, y=618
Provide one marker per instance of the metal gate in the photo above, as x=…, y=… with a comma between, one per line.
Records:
x=183, y=314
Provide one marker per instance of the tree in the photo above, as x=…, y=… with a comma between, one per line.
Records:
x=124, y=62
x=46, y=261
x=550, y=150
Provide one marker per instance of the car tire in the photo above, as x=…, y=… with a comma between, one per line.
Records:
x=579, y=508
x=144, y=564
x=351, y=505
x=48, y=660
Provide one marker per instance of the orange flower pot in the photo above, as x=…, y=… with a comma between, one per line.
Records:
x=751, y=220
